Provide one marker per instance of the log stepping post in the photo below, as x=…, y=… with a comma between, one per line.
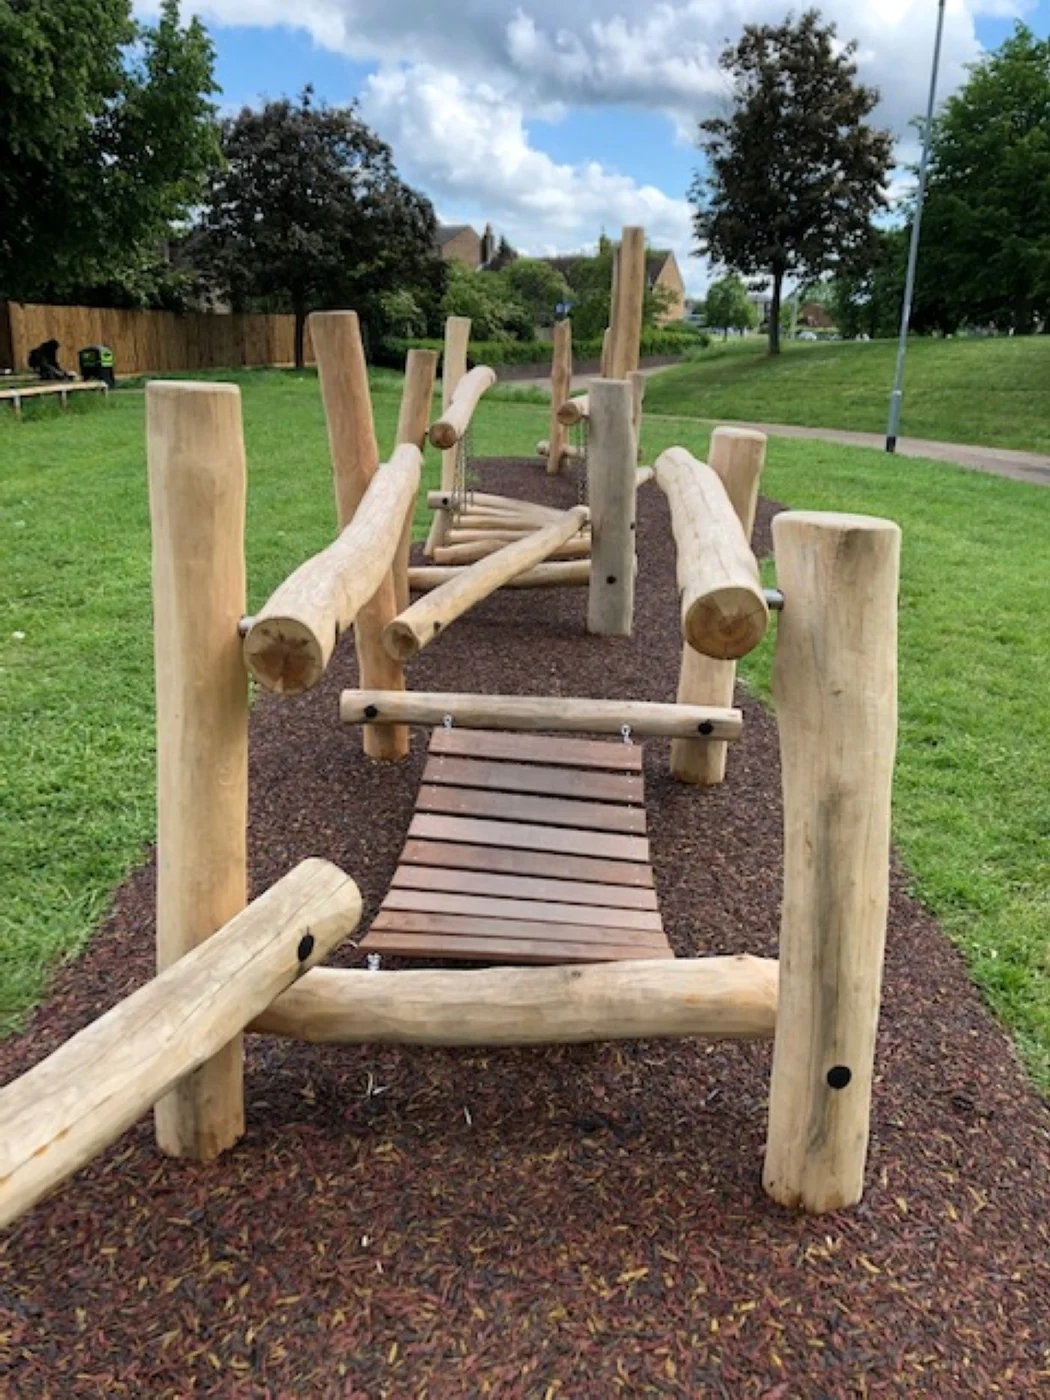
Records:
x=835, y=688
x=561, y=387
x=737, y=456
x=343, y=373
x=453, y=368
x=611, y=490
x=195, y=453
x=412, y=421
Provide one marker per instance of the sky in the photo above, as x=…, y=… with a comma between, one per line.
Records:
x=556, y=120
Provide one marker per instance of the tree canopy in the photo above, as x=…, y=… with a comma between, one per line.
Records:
x=985, y=253
x=727, y=306
x=538, y=286
x=309, y=211
x=795, y=171
x=107, y=137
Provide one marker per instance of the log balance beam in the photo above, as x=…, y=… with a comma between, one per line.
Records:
x=574, y=410
x=732, y=998
x=549, y=714
x=68, y=1108
x=724, y=610
x=408, y=633
x=565, y=573
x=452, y=426
x=291, y=640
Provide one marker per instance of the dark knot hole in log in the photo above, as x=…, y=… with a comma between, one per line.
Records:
x=306, y=946
x=839, y=1076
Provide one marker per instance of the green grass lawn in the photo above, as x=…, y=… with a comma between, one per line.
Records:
x=992, y=392
x=972, y=806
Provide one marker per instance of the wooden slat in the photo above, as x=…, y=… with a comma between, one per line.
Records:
x=454, y=926
x=456, y=881
x=453, y=855
x=527, y=777
x=524, y=837
x=519, y=807
x=538, y=748
x=521, y=910
x=494, y=950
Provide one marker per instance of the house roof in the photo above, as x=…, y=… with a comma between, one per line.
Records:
x=446, y=232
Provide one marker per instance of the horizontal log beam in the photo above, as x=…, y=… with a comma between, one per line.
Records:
x=469, y=553
x=412, y=629
x=485, y=500
x=728, y=998
x=455, y=420
x=569, y=453
x=574, y=410
x=69, y=1107
x=724, y=611
x=566, y=573
x=554, y=714
x=291, y=640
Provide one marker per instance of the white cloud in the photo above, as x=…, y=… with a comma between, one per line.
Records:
x=457, y=84
x=468, y=146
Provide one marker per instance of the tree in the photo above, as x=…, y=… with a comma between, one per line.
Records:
x=309, y=211
x=107, y=139
x=866, y=292
x=485, y=297
x=728, y=306
x=794, y=172
x=538, y=287
x=985, y=254
x=590, y=283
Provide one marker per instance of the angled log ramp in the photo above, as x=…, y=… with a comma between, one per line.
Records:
x=555, y=714
x=292, y=639
x=417, y=396
x=724, y=610
x=408, y=633
x=500, y=505
x=67, y=1109
x=731, y=998
x=506, y=808
x=452, y=426
x=469, y=552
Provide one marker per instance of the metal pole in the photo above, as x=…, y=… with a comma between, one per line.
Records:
x=913, y=251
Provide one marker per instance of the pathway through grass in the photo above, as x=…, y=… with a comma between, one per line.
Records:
x=972, y=809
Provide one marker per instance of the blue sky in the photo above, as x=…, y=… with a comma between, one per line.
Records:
x=557, y=121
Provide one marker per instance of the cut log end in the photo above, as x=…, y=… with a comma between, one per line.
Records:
x=284, y=655
x=443, y=435
x=726, y=624
x=400, y=641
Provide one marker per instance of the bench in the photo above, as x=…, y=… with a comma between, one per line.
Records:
x=17, y=393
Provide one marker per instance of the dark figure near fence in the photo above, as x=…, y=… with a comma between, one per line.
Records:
x=44, y=361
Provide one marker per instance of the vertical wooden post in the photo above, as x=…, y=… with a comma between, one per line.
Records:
x=195, y=452
x=343, y=373
x=637, y=380
x=611, y=491
x=835, y=687
x=737, y=455
x=413, y=420
x=630, y=302
x=561, y=387
x=453, y=368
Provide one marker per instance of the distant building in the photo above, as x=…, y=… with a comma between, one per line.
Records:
x=460, y=243
x=815, y=316
x=661, y=270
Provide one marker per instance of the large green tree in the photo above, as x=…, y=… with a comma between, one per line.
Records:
x=537, y=286
x=309, y=212
x=107, y=136
x=985, y=254
x=728, y=307
x=795, y=171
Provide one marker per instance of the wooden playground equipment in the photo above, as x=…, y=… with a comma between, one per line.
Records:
x=527, y=846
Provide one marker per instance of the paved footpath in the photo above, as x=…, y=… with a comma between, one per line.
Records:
x=1000, y=461
x=1032, y=467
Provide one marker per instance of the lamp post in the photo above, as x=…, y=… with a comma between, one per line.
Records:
x=913, y=250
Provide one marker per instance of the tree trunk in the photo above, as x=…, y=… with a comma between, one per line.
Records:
x=300, y=334
x=774, y=312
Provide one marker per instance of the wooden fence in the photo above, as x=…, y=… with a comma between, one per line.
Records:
x=147, y=341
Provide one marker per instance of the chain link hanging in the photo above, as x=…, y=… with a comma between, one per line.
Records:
x=462, y=481
x=578, y=459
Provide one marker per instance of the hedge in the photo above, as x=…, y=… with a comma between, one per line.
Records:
x=666, y=341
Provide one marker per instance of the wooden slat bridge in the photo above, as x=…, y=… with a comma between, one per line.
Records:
x=524, y=849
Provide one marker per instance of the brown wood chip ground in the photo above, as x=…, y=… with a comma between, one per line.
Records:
x=524, y=849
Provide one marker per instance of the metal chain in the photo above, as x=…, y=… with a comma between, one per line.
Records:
x=579, y=435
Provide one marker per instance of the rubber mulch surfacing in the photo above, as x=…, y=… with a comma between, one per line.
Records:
x=573, y=1222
